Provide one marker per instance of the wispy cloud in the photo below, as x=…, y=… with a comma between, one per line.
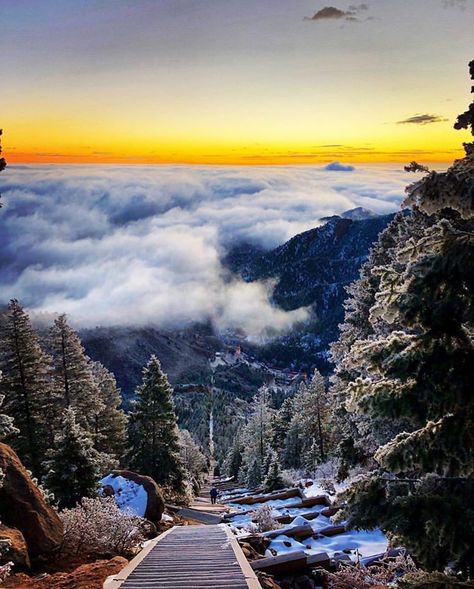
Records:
x=350, y=14
x=460, y=4
x=422, y=119
x=117, y=245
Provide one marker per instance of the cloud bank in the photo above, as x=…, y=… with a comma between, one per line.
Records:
x=118, y=245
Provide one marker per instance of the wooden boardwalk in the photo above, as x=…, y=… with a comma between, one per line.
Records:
x=189, y=557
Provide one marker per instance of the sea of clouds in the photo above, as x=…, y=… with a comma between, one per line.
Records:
x=120, y=245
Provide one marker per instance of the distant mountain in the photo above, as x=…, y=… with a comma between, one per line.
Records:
x=309, y=270
x=312, y=270
x=356, y=214
x=183, y=353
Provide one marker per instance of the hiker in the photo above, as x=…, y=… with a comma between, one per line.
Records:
x=213, y=493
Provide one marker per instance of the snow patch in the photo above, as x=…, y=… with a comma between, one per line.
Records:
x=128, y=495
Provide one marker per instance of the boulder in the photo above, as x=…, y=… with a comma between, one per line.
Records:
x=155, y=504
x=22, y=506
x=18, y=550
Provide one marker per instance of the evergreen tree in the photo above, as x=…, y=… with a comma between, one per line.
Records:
x=307, y=441
x=422, y=489
x=74, y=374
x=153, y=432
x=73, y=466
x=358, y=436
x=28, y=388
x=7, y=427
x=110, y=422
x=193, y=459
x=274, y=480
x=281, y=424
x=256, y=436
x=233, y=463
x=254, y=474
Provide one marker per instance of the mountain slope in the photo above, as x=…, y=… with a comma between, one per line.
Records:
x=311, y=270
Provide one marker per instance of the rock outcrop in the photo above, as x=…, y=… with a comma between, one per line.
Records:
x=22, y=506
x=155, y=503
x=18, y=550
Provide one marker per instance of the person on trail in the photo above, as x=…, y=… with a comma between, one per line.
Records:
x=213, y=493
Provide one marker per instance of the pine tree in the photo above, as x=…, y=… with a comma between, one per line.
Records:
x=423, y=370
x=193, y=459
x=153, y=432
x=28, y=388
x=74, y=374
x=233, y=463
x=308, y=441
x=73, y=466
x=254, y=474
x=273, y=480
x=257, y=434
x=7, y=427
x=358, y=436
x=281, y=424
x=110, y=422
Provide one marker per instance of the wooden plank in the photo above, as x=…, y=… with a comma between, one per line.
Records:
x=283, y=564
x=188, y=557
x=252, y=499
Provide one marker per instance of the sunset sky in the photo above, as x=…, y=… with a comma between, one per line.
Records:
x=233, y=82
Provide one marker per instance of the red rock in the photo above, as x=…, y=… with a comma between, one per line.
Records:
x=86, y=576
x=18, y=551
x=22, y=506
x=155, y=504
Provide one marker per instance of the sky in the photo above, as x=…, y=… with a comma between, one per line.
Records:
x=143, y=245
x=233, y=82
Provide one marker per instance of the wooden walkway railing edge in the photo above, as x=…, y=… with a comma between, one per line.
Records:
x=116, y=580
x=249, y=574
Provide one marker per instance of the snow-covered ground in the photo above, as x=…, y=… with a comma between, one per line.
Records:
x=128, y=495
x=354, y=543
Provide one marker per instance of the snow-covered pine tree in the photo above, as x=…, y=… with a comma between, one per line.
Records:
x=423, y=490
x=73, y=465
x=233, y=462
x=73, y=373
x=358, y=436
x=273, y=480
x=308, y=441
x=281, y=424
x=194, y=461
x=254, y=475
x=257, y=435
x=153, y=433
x=7, y=427
x=110, y=421
x=28, y=388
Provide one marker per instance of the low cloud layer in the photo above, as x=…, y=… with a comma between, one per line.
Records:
x=133, y=245
x=425, y=119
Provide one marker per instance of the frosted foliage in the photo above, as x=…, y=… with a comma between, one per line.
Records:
x=264, y=519
x=98, y=525
x=6, y=423
x=357, y=576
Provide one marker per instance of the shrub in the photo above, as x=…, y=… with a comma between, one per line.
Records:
x=358, y=576
x=98, y=526
x=263, y=517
